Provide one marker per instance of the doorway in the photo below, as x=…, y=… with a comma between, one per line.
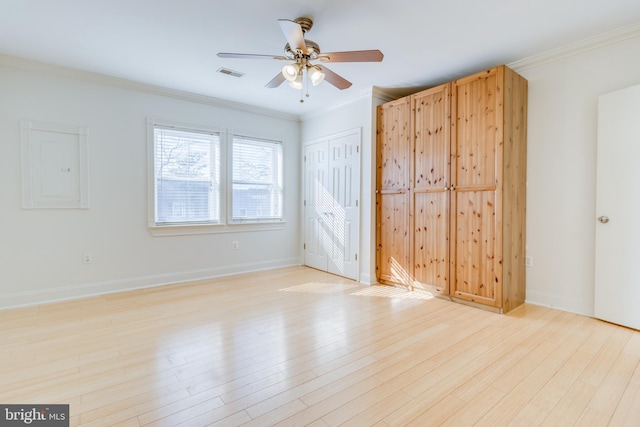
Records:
x=617, y=273
x=331, y=203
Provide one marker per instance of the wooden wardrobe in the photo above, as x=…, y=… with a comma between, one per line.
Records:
x=451, y=190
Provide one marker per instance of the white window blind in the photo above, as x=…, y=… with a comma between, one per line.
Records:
x=186, y=176
x=257, y=175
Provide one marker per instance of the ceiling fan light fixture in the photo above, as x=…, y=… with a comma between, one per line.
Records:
x=300, y=52
x=291, y=71
x=315, y=75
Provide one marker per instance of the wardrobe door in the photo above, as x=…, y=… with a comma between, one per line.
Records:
x=392, y=192
x=476, y=228
x=431, y=177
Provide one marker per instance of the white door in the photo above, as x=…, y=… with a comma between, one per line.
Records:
x=316, y=204
x=332, y=187
x=617, y=293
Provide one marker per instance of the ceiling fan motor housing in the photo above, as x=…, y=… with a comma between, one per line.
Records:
x=305, y=23
x=313, y=50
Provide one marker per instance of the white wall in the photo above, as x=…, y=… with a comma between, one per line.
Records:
x=561, y=167
x=41, y=250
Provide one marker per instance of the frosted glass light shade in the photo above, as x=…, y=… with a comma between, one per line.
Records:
x=297, y=83
x=290, y=71
x=315, y=75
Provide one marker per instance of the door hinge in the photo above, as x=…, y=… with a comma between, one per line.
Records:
x=357, y=148
x=356, y=203
x=304, y=246
x=305, y=203
x=356, y=257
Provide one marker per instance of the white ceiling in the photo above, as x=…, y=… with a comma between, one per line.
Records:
x=173, y=43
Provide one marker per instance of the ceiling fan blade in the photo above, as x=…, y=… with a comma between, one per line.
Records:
x=334, y=78
x=294, y=35
x=248, y=56
x=276, y=81
x=352, y=56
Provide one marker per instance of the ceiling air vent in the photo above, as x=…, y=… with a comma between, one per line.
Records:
x=230, y=72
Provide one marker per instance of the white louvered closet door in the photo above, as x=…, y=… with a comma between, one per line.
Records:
x=331, y=204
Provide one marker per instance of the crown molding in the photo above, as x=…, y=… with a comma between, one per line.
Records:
x=26, y=64
x=356, y=96
x=385, y=95
x=592, y=43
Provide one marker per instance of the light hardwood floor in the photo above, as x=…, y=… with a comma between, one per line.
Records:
x=297, y=347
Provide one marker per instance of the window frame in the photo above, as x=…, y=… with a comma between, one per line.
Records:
x=225, y=225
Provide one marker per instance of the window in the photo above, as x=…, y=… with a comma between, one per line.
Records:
x=210, y=180
x=186, y=176
x=257, y=172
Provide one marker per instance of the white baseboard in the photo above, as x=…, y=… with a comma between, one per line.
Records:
x=45, y=296
x=559, y=302
x=365, y=279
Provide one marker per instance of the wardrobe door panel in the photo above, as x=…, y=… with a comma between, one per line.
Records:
x=431, y=241
x=393, y=238
x=431, y=149
x=477, y=132
x=477, y=273
x=394, y=146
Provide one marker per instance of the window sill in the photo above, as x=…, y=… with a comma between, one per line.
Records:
x=194, y=229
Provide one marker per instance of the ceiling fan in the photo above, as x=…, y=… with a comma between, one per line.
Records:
x=303, y=55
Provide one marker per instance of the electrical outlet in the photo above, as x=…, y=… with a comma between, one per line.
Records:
x=234, y=245
x=528, y=261
x=87, y=259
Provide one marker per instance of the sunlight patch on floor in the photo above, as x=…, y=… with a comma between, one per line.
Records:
x=391, y=292
x=320, y=288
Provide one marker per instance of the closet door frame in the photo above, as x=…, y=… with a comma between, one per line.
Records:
x=331, y=208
